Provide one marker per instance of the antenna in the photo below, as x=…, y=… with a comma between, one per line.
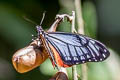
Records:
x=29, y=20
x=42, y=18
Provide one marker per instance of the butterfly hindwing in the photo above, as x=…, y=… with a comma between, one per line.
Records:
x=76, y=48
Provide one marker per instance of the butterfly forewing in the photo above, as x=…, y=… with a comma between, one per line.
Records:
x=76, y=48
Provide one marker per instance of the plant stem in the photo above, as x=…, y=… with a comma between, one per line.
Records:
x=63, y=70
x=74, y=69
x=79, y=16
x=74, y=73
x=81, y=31
x=84, y=72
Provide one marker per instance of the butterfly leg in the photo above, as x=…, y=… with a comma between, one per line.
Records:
x=55, y=25
x=59, y=19
x=70, y=18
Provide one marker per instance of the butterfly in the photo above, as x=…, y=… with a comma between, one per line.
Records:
x=67, y=49
x=64, y=49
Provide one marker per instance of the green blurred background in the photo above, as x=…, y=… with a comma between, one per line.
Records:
x=101, y=19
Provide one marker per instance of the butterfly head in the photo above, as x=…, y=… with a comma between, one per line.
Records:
x=40, y=32
x=39, y=27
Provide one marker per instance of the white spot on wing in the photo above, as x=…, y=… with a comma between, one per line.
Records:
x=96, y=60
x=89, y=60
x=104, y=55
x=101, y=59
x=82, y=58
x=105, y=50
x=75, y=58
x=88, y=56
x=83, y=61
x=77, y=63
x=69, y=58
x=66, y=58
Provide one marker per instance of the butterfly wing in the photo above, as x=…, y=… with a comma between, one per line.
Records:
x=76, y=48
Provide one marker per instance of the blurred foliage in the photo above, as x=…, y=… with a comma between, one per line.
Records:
x=90, y=21
x=15, y=33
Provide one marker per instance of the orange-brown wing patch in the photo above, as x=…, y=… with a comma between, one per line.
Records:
x=58, y=58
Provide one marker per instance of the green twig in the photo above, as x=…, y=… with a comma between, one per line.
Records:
x=79, y=16
x=74, y=69
x=81, y=31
